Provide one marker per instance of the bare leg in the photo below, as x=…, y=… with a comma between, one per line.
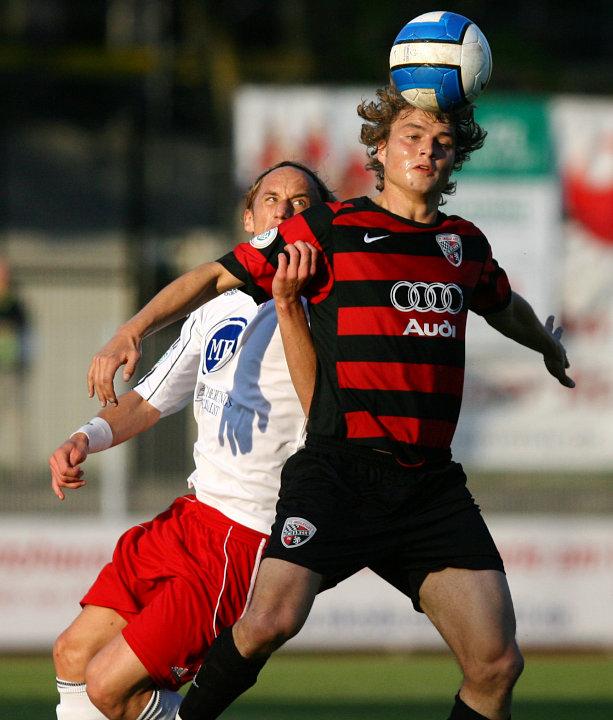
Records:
x=282, y=598
x=92, y=629
x=473, y=611
x=117, y=682
x=281, y=602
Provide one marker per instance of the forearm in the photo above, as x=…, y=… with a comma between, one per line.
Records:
x=299, y=349
x=520, y=323
x=179, y=298
x=133, y=415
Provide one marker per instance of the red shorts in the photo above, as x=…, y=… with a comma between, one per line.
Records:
x=178, y=580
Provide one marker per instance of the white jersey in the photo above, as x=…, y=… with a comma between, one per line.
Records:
x=229, y=358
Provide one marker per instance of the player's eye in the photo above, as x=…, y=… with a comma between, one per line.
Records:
x=300, y=202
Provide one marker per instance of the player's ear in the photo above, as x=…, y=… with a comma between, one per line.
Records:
x=248, y=221
x=381, y=153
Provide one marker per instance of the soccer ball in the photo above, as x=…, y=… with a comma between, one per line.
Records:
x=440, y=61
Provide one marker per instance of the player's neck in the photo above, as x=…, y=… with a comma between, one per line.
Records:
x=419, y=208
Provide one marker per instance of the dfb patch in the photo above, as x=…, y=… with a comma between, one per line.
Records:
x=296, y=531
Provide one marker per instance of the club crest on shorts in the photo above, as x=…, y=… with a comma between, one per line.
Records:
x=296, y=531
x=178, y=672
x=451, y=245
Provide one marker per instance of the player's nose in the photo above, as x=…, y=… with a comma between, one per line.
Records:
x=284, y=209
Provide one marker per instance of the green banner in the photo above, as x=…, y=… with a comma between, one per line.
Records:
x=518, y=139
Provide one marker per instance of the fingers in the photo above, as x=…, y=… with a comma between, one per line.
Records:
x=307, y=264
x=100, y=378
x=122, y=349
x=282, y=263
x=63, y=474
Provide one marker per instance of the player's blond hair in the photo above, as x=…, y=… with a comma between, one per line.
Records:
x=325, y=194
x=380, y=114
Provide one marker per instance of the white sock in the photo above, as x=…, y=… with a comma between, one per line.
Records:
x=74, y=703
x=162, y=706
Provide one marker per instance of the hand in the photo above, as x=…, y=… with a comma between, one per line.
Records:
x=556, y=361
x=294, y=271
x=124, y=348
x=65, y=464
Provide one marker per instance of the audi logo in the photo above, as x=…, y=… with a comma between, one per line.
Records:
x=424, y=297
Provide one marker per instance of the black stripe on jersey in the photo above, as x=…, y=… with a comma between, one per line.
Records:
x=376, y=348
x=318, y=219
x=157, y=387
x=350, y=238
x=425, y=406
x=377, y=293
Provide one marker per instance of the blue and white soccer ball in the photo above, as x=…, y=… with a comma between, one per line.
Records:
x=440, y=61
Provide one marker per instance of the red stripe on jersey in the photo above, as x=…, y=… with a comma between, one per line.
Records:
x=389, y=321
x=256, y=265
x=425, y=268
x=319, y=287
x=428, y=433
x=413, y=377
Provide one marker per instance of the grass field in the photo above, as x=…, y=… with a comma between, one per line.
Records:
x=382, y=687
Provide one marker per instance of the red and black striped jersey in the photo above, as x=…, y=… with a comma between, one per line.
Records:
x=388, y=312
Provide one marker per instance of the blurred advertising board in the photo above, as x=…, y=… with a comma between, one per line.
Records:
x=560, y=571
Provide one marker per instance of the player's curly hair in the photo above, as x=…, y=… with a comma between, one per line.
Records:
x=325, y=194
x=380, y=114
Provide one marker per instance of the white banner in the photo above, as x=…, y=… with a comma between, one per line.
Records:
x=560, y=572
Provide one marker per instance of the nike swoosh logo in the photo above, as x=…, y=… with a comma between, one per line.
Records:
x=368, y=239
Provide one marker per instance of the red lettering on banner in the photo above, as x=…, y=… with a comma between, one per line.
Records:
x=46, y=555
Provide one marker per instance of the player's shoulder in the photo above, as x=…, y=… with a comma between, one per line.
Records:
x=327, y=210
x=454, y=224
x=229, y=303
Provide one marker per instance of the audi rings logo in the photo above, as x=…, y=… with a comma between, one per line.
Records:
x=427, y=297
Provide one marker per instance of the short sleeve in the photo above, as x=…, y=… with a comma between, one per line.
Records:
x=169, y=385
x=255, y=262
x=492, y=292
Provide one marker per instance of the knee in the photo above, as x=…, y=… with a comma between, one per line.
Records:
x=103, y=694
x=261, y=633
x=497, y=673
x=70, y=656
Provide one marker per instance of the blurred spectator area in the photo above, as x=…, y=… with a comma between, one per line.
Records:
x=115, y=175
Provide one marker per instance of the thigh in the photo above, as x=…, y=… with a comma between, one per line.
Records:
x=284, y=587
x=91, y=630
x=282, y=599
x=472, y=610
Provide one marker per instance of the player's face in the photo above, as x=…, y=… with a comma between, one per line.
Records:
x=418, y=155
x=282, y=193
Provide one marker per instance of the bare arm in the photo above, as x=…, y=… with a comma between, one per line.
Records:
x=519, y=322
x=173, y=302
x=131, y=417
x=289, y=279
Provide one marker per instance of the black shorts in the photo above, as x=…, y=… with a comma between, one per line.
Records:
x=342, y=508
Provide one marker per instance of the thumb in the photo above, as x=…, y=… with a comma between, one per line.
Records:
x=130, y=367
